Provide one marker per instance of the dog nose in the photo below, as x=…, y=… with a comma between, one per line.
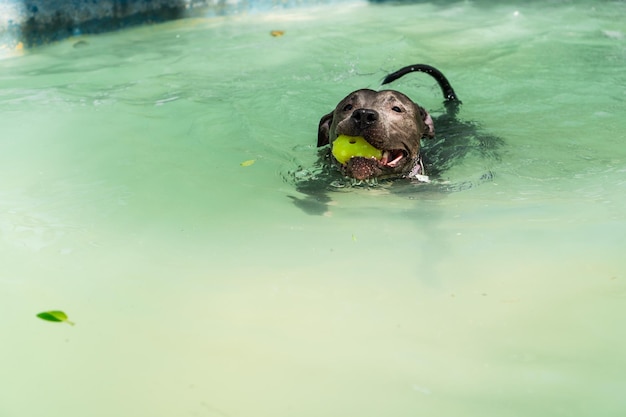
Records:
x=364, y=117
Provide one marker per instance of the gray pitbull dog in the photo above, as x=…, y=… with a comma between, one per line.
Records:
x=389, y=121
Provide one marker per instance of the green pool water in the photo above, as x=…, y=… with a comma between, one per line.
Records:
x=203, y=287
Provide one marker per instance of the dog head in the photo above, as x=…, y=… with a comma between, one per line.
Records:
x=387, y=120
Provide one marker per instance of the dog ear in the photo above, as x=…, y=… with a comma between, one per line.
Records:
x=428, y=121
x=323, y=129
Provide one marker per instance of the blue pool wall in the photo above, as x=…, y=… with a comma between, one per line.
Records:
x=28, y=23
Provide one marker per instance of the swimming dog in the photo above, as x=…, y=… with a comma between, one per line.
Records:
x=389, y=121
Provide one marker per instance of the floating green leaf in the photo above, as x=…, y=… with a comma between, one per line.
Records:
x=54, y=315
x=247, y=163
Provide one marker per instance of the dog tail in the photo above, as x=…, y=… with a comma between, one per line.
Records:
x=448, y=92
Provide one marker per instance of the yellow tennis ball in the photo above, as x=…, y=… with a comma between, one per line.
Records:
x=346, y=147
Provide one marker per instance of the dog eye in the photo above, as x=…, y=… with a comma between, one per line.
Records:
x=347, y=107
x=396, y=109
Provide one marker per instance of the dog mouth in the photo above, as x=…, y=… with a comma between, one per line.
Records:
x=360, y=159
x=363, y=168
x=392, y=158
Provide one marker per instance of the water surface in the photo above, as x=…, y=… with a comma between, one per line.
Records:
x=199, y=288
